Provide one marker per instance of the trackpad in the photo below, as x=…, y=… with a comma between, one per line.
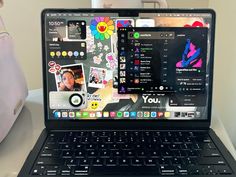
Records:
x=124, y=170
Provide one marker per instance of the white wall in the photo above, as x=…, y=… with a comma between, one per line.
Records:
x=188, y=3
x=22, y=19
x=225, y=64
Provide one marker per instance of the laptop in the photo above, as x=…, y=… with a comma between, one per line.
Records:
x=128, y=92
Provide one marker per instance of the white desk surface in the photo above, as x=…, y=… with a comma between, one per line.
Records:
x=16, y=146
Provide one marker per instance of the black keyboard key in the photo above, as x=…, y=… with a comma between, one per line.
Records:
x=84, y=162
x=80, y=154
x=110, y=162
x=103, y=146
x=127, y=147
x=65, y=170
x=124, y=170
x=84, y=140
x=90, y=146
x=154, y=154
x=71, y=162
x=50, y=153
x=103, y=134
x=150, y=162
x=129, y=153
x=38, y=170
x=211, y=161
x=52, y=170
x=182, y=170
x=167, y=170
x=52, y=146
x=210, y=153
x=114, y=146
x=137, y=162
x=92, y=154
x=67, y=154
x=209, y=170
x=195, y=170
x=166, y=153
x=97, y=162
x=176, y=161
x=105, y=153
x=197, y=146
x=208, y=146
x=174, y=146
x=190, y=160
x=66, y=147
x=192, y=153
x=223, y=169
x=164, y=161
x=50, y=161
x=79, y=146
x=81, y=170
x=109, y=140
x=117, y=153
x=141, y=153
x=124, y=162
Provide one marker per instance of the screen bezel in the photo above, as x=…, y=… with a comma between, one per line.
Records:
x=127, y=124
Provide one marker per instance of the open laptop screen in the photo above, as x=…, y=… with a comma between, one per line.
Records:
x=108, y=66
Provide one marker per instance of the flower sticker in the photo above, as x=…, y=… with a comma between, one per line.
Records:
x=111, y=61
x=102, y=27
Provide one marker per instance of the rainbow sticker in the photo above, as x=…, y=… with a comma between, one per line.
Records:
x=102, y=27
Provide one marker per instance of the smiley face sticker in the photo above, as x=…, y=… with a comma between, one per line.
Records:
x=94, y=105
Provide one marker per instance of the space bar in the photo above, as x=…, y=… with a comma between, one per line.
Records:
x=122, y=170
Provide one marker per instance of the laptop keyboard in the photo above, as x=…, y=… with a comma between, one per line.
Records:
x=129, y=152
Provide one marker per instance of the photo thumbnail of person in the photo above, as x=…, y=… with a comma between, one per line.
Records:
x=71, y=78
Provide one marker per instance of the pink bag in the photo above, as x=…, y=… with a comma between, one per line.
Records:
x=13, y=88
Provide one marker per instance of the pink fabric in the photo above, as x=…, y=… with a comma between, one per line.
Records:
x=12, y=84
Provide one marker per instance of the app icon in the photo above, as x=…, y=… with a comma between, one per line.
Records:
x=140, y=114
x=145, y=23
x=92, y=114
x=119, y=114
x=57, y=114
x=126, y=114
x=153, y=114
x=98, y=114
x=105, y=114
x=184, y=114
x=198, y=114
x=136, y=62
x=146, y=114
x=85, y=114
x=136, y=35
x=177, y=114
x=191, y=114
x=78, y=114
x=167, y=114
x=124, y=23
x=160, y=114
x=64, y=114
x=71, y=114
x=133, y=114
x=112, y=114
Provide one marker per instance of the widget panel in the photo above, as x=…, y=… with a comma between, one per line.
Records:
x=67, y=50
x=68, y=100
